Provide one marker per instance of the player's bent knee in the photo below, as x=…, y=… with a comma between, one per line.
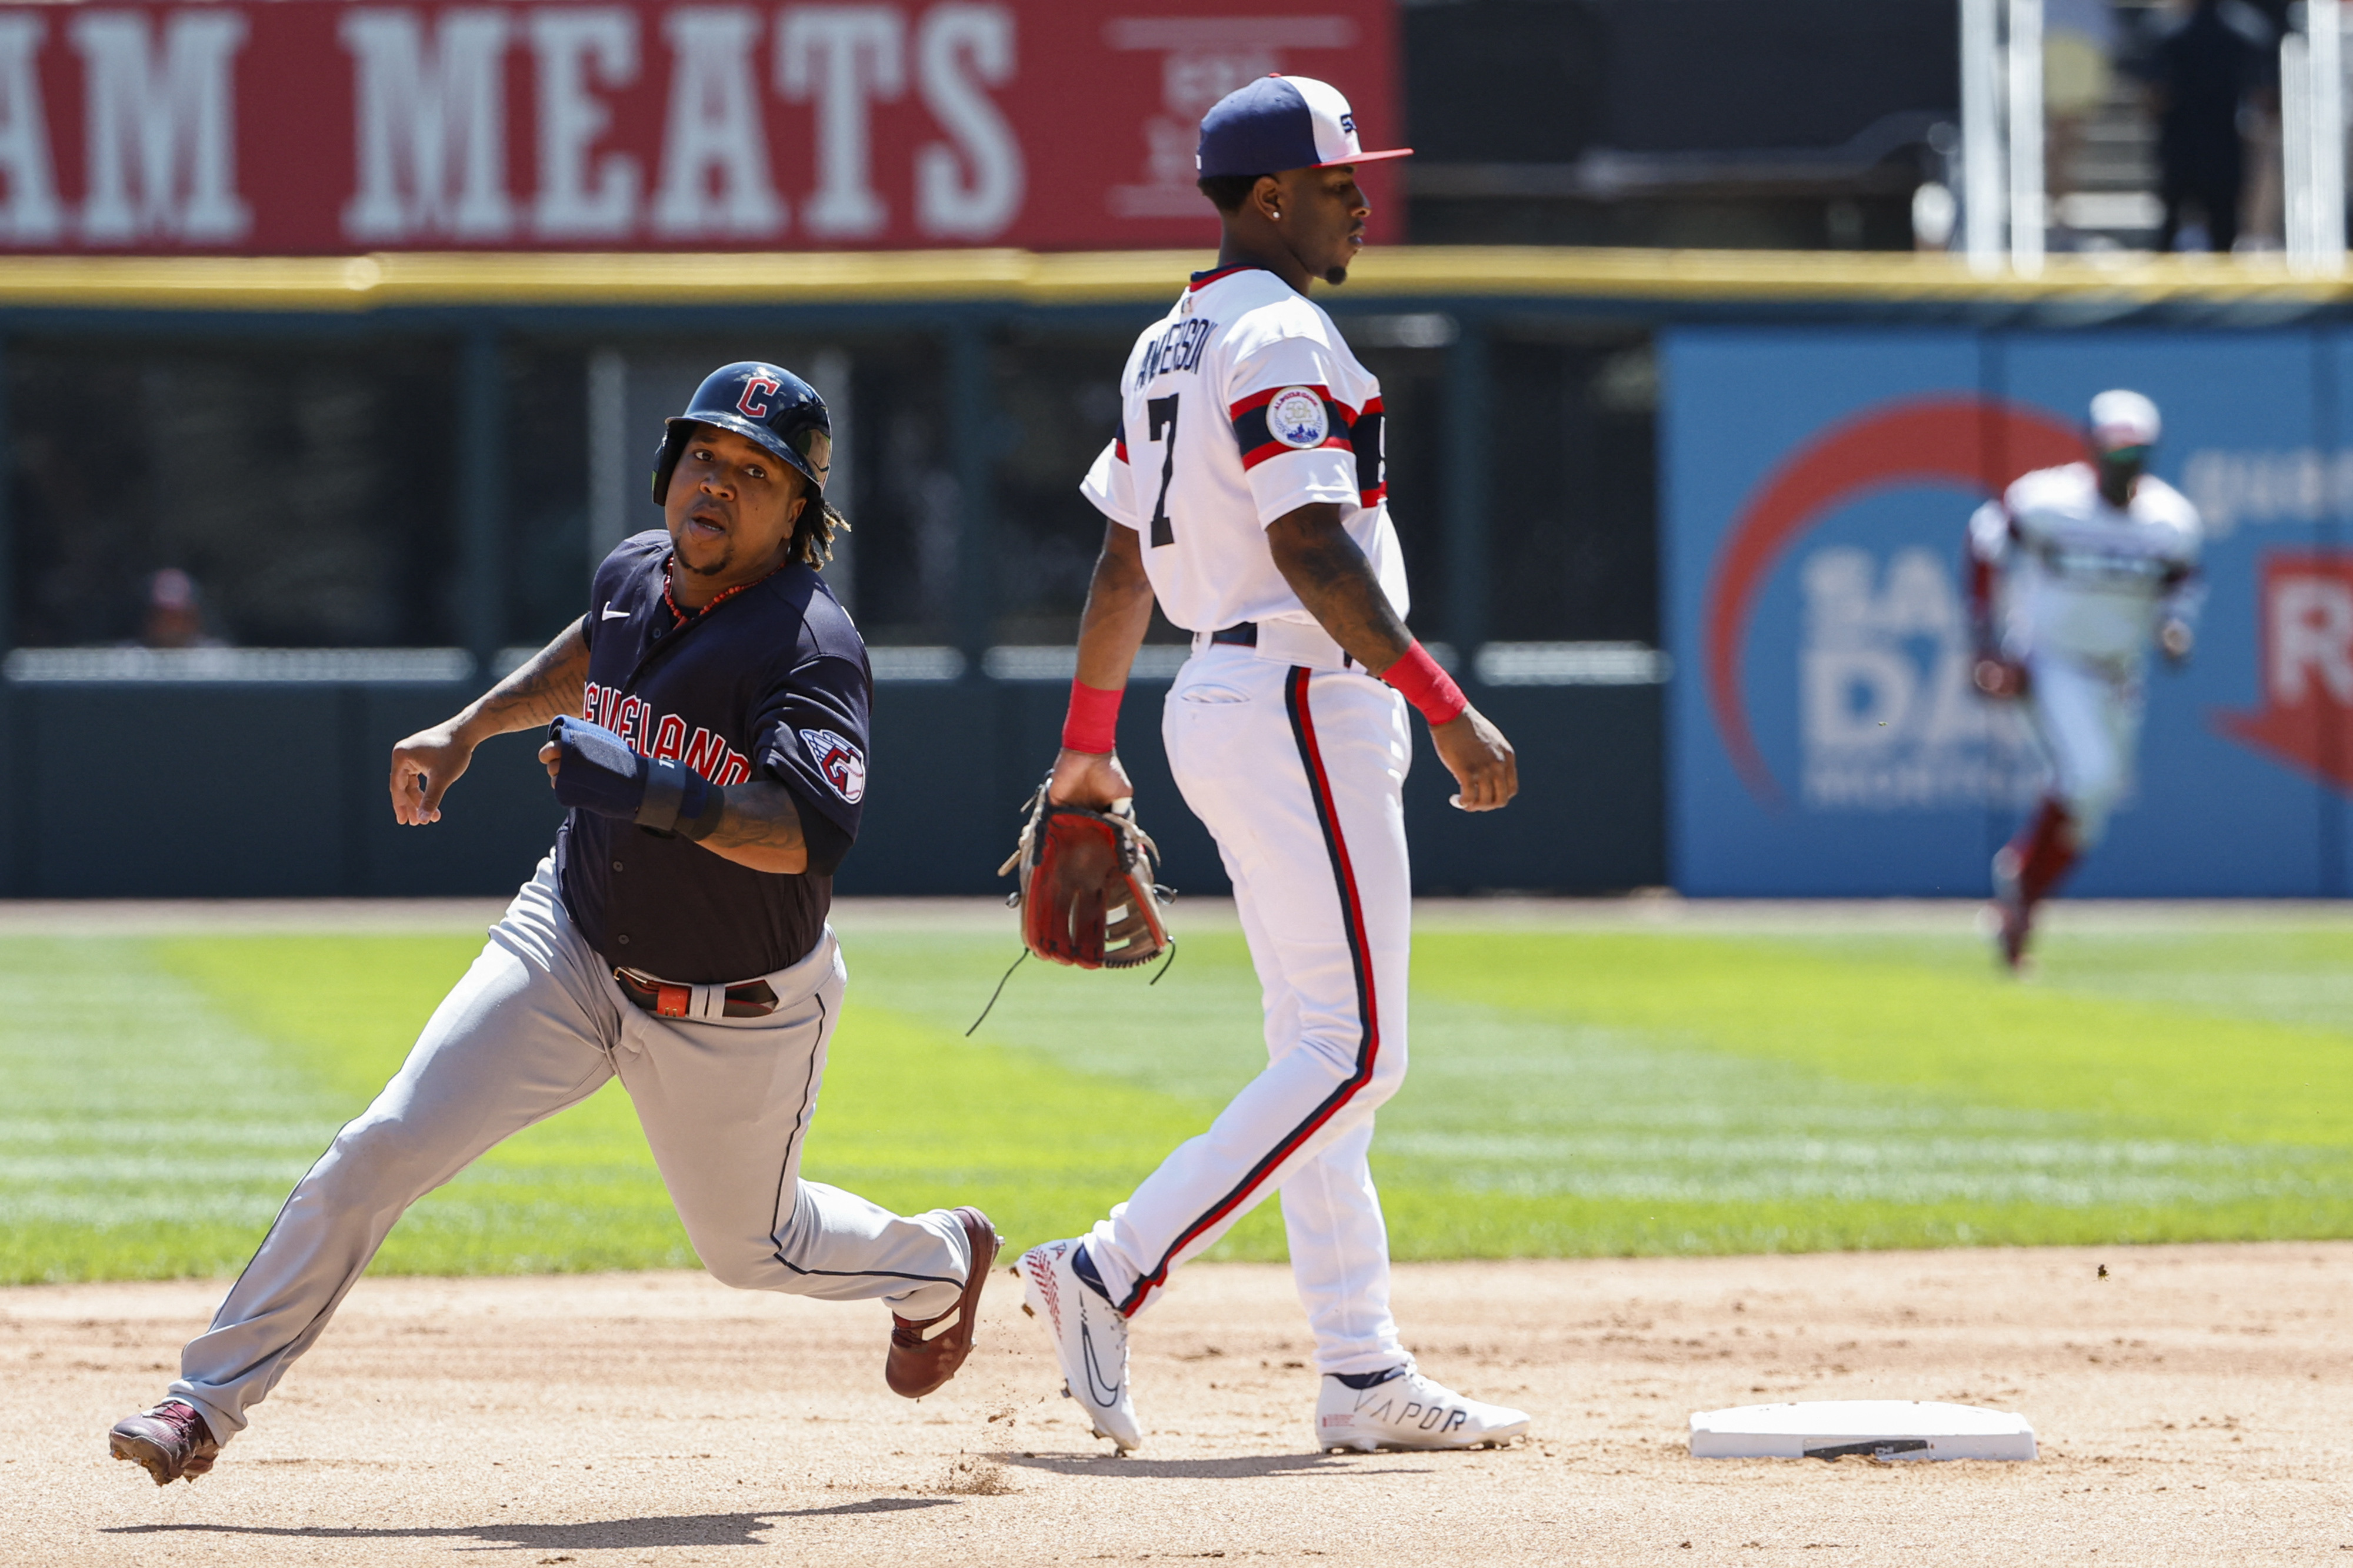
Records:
x=1343, y=1059
x=743, y=1268
x=373, y=1158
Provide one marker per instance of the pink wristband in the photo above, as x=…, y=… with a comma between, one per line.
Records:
x=1426, y=686
x=1092, y=723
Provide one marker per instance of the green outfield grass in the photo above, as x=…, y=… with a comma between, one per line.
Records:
x=1597, y=1089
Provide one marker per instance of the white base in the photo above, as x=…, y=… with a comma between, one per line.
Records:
x=1876, y=1428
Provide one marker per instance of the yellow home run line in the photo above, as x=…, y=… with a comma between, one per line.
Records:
x=359, y=283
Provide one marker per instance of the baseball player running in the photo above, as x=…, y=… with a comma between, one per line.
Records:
x=2073, y=571
x=1244, y=491
x=709, y=736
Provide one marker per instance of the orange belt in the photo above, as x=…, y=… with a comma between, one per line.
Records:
x=664, y=999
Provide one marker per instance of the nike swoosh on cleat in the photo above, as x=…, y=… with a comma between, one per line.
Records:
x=1097, y=1389
x=613, y=615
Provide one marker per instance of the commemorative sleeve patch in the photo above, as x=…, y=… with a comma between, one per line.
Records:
x=842, y=764
x=1296, y=417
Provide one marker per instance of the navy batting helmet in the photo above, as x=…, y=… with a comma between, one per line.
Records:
x=761, y=402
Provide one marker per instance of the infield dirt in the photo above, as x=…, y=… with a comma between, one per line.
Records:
x=2190, y=1406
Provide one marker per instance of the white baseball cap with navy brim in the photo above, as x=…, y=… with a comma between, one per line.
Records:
x=2122, y=418
x=1279, y=123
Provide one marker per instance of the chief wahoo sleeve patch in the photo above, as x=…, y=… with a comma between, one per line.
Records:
x=843, y=764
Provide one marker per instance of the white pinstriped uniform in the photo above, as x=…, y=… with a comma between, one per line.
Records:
x=1243, y=405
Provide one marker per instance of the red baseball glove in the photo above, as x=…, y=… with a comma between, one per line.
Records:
x=1087, y=892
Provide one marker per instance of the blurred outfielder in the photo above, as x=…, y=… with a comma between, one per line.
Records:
x=2074, y=572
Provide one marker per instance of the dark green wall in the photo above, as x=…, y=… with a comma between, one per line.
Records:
x=191, y=790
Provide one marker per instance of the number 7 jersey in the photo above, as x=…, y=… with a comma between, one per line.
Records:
x=1240, y=405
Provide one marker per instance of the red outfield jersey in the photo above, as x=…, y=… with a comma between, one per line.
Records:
x=1242, y=404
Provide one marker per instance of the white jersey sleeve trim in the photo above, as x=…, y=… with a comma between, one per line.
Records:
x=1293, y=434
x=1111, y=486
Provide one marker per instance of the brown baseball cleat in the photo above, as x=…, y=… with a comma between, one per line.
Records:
x=924, y=1355
x=171, y=1440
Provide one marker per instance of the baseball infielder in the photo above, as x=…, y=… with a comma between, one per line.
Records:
x=1244, y=491
x=675, y=938
x=2074, y=572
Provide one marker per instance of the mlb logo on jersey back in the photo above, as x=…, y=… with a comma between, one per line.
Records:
x=843, y=764
x=1296, y=417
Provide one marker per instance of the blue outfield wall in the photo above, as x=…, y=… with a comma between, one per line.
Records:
x=1822, y=736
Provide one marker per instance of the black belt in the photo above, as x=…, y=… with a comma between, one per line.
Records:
x=753, y=999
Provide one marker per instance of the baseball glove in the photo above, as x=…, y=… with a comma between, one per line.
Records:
x=1087, y=893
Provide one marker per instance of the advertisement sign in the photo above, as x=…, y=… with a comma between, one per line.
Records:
x=312, y=126
x=1826, y=738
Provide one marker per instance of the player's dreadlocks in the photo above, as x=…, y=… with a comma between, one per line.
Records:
x=813, y=534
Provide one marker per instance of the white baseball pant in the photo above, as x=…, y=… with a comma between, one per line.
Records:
x=1298, y=770
x=2087, y=723
x=538, y=1024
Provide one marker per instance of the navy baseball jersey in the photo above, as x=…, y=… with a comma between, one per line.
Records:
x=769, y=682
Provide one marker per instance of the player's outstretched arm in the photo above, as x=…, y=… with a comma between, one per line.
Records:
x=1335, y=581
x=1118, y=613
x=549, y=683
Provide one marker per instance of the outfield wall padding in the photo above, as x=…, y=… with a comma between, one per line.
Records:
x=1824, y=737
x=278, y=790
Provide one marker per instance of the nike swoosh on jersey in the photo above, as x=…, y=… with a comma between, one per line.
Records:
x=613, y=615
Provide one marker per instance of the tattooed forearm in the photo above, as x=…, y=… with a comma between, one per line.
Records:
x=547, y=684
x=760, y=828
x=1336, y=583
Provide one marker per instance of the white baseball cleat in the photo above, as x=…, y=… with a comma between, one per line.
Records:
x=1089, y=1339
x=1409, y=1411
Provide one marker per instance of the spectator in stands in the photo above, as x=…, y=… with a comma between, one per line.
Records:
x=2207, y=66
x=2079, y=42
x=174, y=618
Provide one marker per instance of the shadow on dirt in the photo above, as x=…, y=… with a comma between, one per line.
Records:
x=1100, y=1463
x=678, y=1529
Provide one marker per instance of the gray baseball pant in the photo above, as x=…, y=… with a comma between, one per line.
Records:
x=538, y=1024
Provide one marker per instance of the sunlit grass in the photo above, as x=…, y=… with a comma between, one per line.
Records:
x=1573, y=1092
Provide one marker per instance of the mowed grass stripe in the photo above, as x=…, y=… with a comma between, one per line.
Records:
x=2247, y=968
x=1540, y=1130
x=1573, y=1093
x=1933, y=1030
x=146, y=1136
x=911, y=1116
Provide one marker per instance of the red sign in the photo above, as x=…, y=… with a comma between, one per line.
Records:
x=2306, y=641
x=313, y=126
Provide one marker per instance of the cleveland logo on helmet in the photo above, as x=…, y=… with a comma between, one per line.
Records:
x=752, y=403
x=764, y=404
